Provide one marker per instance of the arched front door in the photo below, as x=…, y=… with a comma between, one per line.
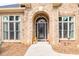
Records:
x=41, y=29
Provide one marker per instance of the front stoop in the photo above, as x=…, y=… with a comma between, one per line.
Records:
x=40, y=49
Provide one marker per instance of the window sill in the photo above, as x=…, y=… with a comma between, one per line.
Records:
x=67, y=39
x=11, y=40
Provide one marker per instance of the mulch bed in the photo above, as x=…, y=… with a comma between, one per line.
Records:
x=66, y=49
x=13, y=49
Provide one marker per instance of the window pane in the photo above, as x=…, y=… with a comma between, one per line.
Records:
x=17, y=26
x=60, y=26
x=5, y=26
x=5, y=18
x=11, y=30
x=70, y=18
x=71, y=26
x=17, y=35
x=17, y=17
x=5, y=34
x=11, y=18
x=71, y=30
x=65, y=26
x=60, y=18
x=11, y=26
x=60, y=34
x=11, y=35
x=65, y=34
x=65, y=18
x=71, y=34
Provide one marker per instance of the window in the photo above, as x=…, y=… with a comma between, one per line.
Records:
x=11, y=27
x=66, y=27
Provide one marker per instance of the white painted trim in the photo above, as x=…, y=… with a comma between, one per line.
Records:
x=62, y=28
x=68, y=29
x=11, y=40
x=14, y=29
x=74, y=28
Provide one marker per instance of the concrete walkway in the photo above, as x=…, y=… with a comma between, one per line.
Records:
x=42, y=49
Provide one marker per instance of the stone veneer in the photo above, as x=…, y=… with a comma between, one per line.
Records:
x=53, y=14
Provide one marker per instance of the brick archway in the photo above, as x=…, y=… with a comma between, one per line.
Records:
x=39, y=15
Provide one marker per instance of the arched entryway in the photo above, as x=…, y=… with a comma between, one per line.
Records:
x=40, y=26
x=41, y=29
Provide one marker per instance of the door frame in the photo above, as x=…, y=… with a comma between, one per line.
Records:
x=35, y=17
x=39, y=22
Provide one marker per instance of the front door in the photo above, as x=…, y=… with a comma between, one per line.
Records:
x=41, y=29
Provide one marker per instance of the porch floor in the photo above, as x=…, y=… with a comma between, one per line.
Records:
x=42, y=49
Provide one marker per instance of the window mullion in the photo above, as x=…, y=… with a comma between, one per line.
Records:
x=74, y=28
x=8, y=29
x=68, y=29
x=14, y=29
x=62, y=27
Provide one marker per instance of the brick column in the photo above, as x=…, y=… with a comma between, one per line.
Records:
x=56, y=26
x=53, y=27
x=27, y=28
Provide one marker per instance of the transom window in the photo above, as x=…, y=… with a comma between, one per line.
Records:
x=11, y=27
x=66, y=27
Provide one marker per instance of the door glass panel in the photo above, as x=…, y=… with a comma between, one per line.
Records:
x=41, y=30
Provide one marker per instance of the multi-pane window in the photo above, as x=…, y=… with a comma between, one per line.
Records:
x=11, y=27
x=66, y=27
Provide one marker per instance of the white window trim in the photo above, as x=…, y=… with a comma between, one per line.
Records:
x=8, y=28
x=68, y=29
